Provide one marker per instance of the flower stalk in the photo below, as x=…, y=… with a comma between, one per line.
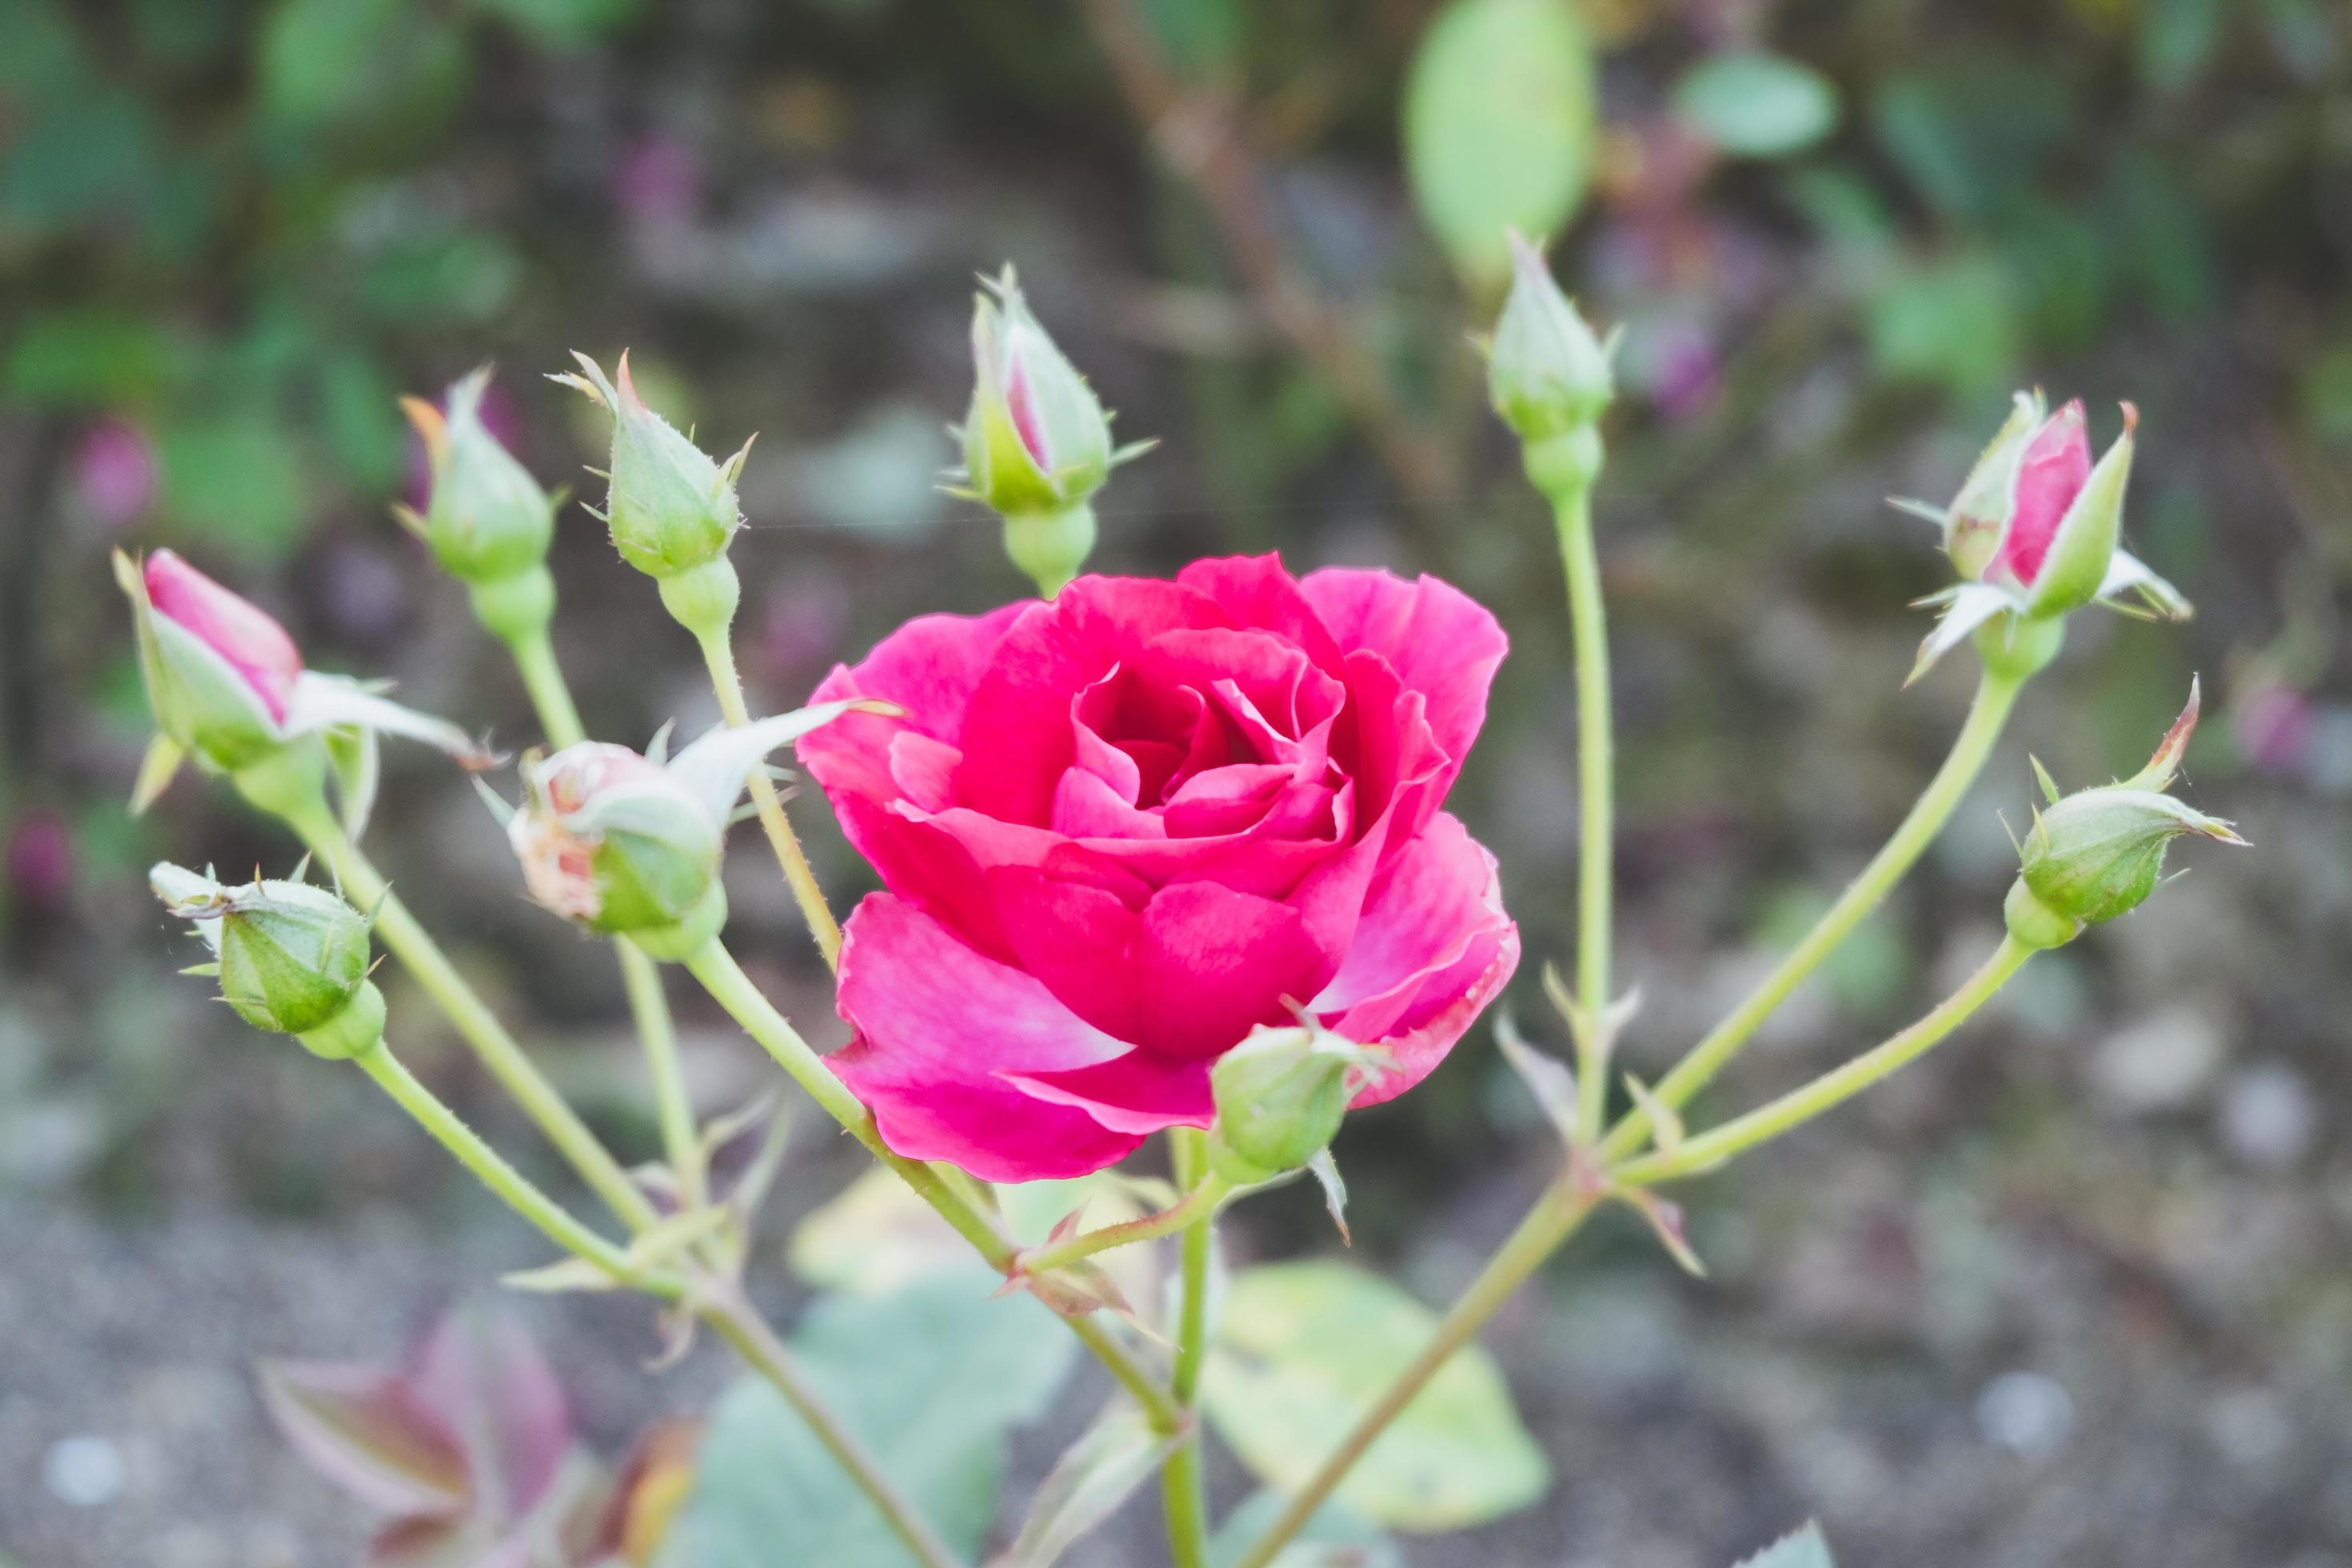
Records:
x=1182, y=1489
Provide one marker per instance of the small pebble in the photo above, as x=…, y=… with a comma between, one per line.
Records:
x=83, y=1472
x=2025, y=1412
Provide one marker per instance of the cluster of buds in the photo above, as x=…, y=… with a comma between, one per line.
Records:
x=629, y=844
x=1549, y=376
x=228, y=688
x=487, y=522
x=291, y=959
x=1036, y=442
x=670, y=505
x=1280, y=1095
x=2099, y=853
x=2036, y=533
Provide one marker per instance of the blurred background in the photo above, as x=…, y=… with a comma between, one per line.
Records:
x=2075, y=1291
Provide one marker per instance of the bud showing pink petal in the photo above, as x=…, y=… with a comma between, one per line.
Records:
x=240, y=631
x=2075, y=566
x=1974, y=522
x=2051, y=473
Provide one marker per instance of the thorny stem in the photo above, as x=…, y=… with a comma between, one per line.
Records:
x=551, y=697
x=1182, y=1491
x=735, y=1321
x=1554, y=1218
x=1798, y=1105
x=1596, y=802
x=720, y=655
x=733, y=989
x=511, y=1187
x=364, y=885
x=1199, y=1203
x=1996, y=695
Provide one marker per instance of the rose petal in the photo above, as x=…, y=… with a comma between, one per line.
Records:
x=238, y=630
x=927, y=666
x=1214, y=963
x=1434, y=908
x=1441, y=642
x=939, y=1026
x=2052, y=473
x=1141, y=1092
x=1415, y=1053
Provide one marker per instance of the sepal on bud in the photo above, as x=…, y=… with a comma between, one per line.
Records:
x=2099, y=853
x=1280, y=1097
x=488, y=519
x=626, y=845
x=670, y=505
x=1546, y=373
x=292, y=958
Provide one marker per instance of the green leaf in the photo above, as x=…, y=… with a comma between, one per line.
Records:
x=929, y=1379
x=1303, y=1349
x=1805, y=1549
x=359, y=412
x=1757, y=104
x=90, y=154
x=92, y=359
x=1333, y=1537
x=358, y=65
x=236, y=478
x=1087, y=1483
x=1972, y=137
x=875, y=1238
x=1499, y=127
x=1950, y=320
x=562, y=23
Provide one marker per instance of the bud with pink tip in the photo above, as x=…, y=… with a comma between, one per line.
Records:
x=629, y=844
x=2036, y=530
x=228, y=688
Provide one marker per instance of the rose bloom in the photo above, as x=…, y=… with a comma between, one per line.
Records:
x=1121, y=830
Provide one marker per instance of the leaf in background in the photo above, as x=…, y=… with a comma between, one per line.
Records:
x=1866, y=975
x=1971, y=138
x=875, y=1238
x=561, y=24
x=2061, y=267
x=1499, y=127
x=931, y=1378
x=358, y=412
x=92, y=358
x=40, y=55
x=1757, y=104
x=2159, y=235
x=459, y=277
x=1333, y=1537
x=485, y=1378
x=1199, y=38
x=357, y=65
x=235, y=479
x=1950, y=320
x=357, y=1426
x=1805, y=1549
x=90, y=156
x=2177, y=40
x=1087, y=1483
x=1302, y=1351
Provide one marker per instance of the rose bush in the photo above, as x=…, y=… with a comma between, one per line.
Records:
x=1119, y=829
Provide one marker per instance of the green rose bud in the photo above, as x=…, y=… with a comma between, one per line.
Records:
x=670, y=505
x=2099, y=853
x=290, y=958
x=1280, y=1097
x=1546, y=373
x=488, y=520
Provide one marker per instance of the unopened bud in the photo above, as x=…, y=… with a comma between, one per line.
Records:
x=488, y=519
x=1280, y=1096
x=670, y=505
x=2099, y=853
x=220, y=673
x=292, y=958
x=1545, y=372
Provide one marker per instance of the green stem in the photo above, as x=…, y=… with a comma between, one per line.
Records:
x=719, y=655
x=511, y=1186
x=418, y=953
x=1996, y=696
x=1553, y=1220
x=1572, y=510
x=733, y=989
x=1198, y=1203
x=735, y=1321
x=551, y=697
x=1793, y=1110
x=1183, y=1495
x=542, y=677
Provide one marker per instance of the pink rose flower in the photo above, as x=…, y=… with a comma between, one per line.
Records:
x=1121, y=829
x=235, y=629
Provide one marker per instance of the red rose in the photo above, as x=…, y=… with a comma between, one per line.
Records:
x=1121, y=830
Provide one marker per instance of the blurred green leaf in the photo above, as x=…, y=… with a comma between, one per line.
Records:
x=358, y=65
x=2062, y=270
x=186, y=34
x=1499, y=127
x=1303, y=1349
x=1333, y=1536
x=462, y=277
x=1087, y=1485
x=1971, y=138
x=1805, y=1549
x=2159, y=235
x=92, y=358
x=1950, y=320
x=1200, y=38
x=91, y=153
x=359, y=412
x=1757, y=104
x=235, y=479
x=2177, y=40
x=2328, y=395
x=1867, y=972
x=930, y=1379
x=875, y=1238
x=40, y=56
x=561, y=24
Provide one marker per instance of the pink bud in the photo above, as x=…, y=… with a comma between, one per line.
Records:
x=40, y=862
x=255, y=645
x=1023, y=406
x=2052, y=472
